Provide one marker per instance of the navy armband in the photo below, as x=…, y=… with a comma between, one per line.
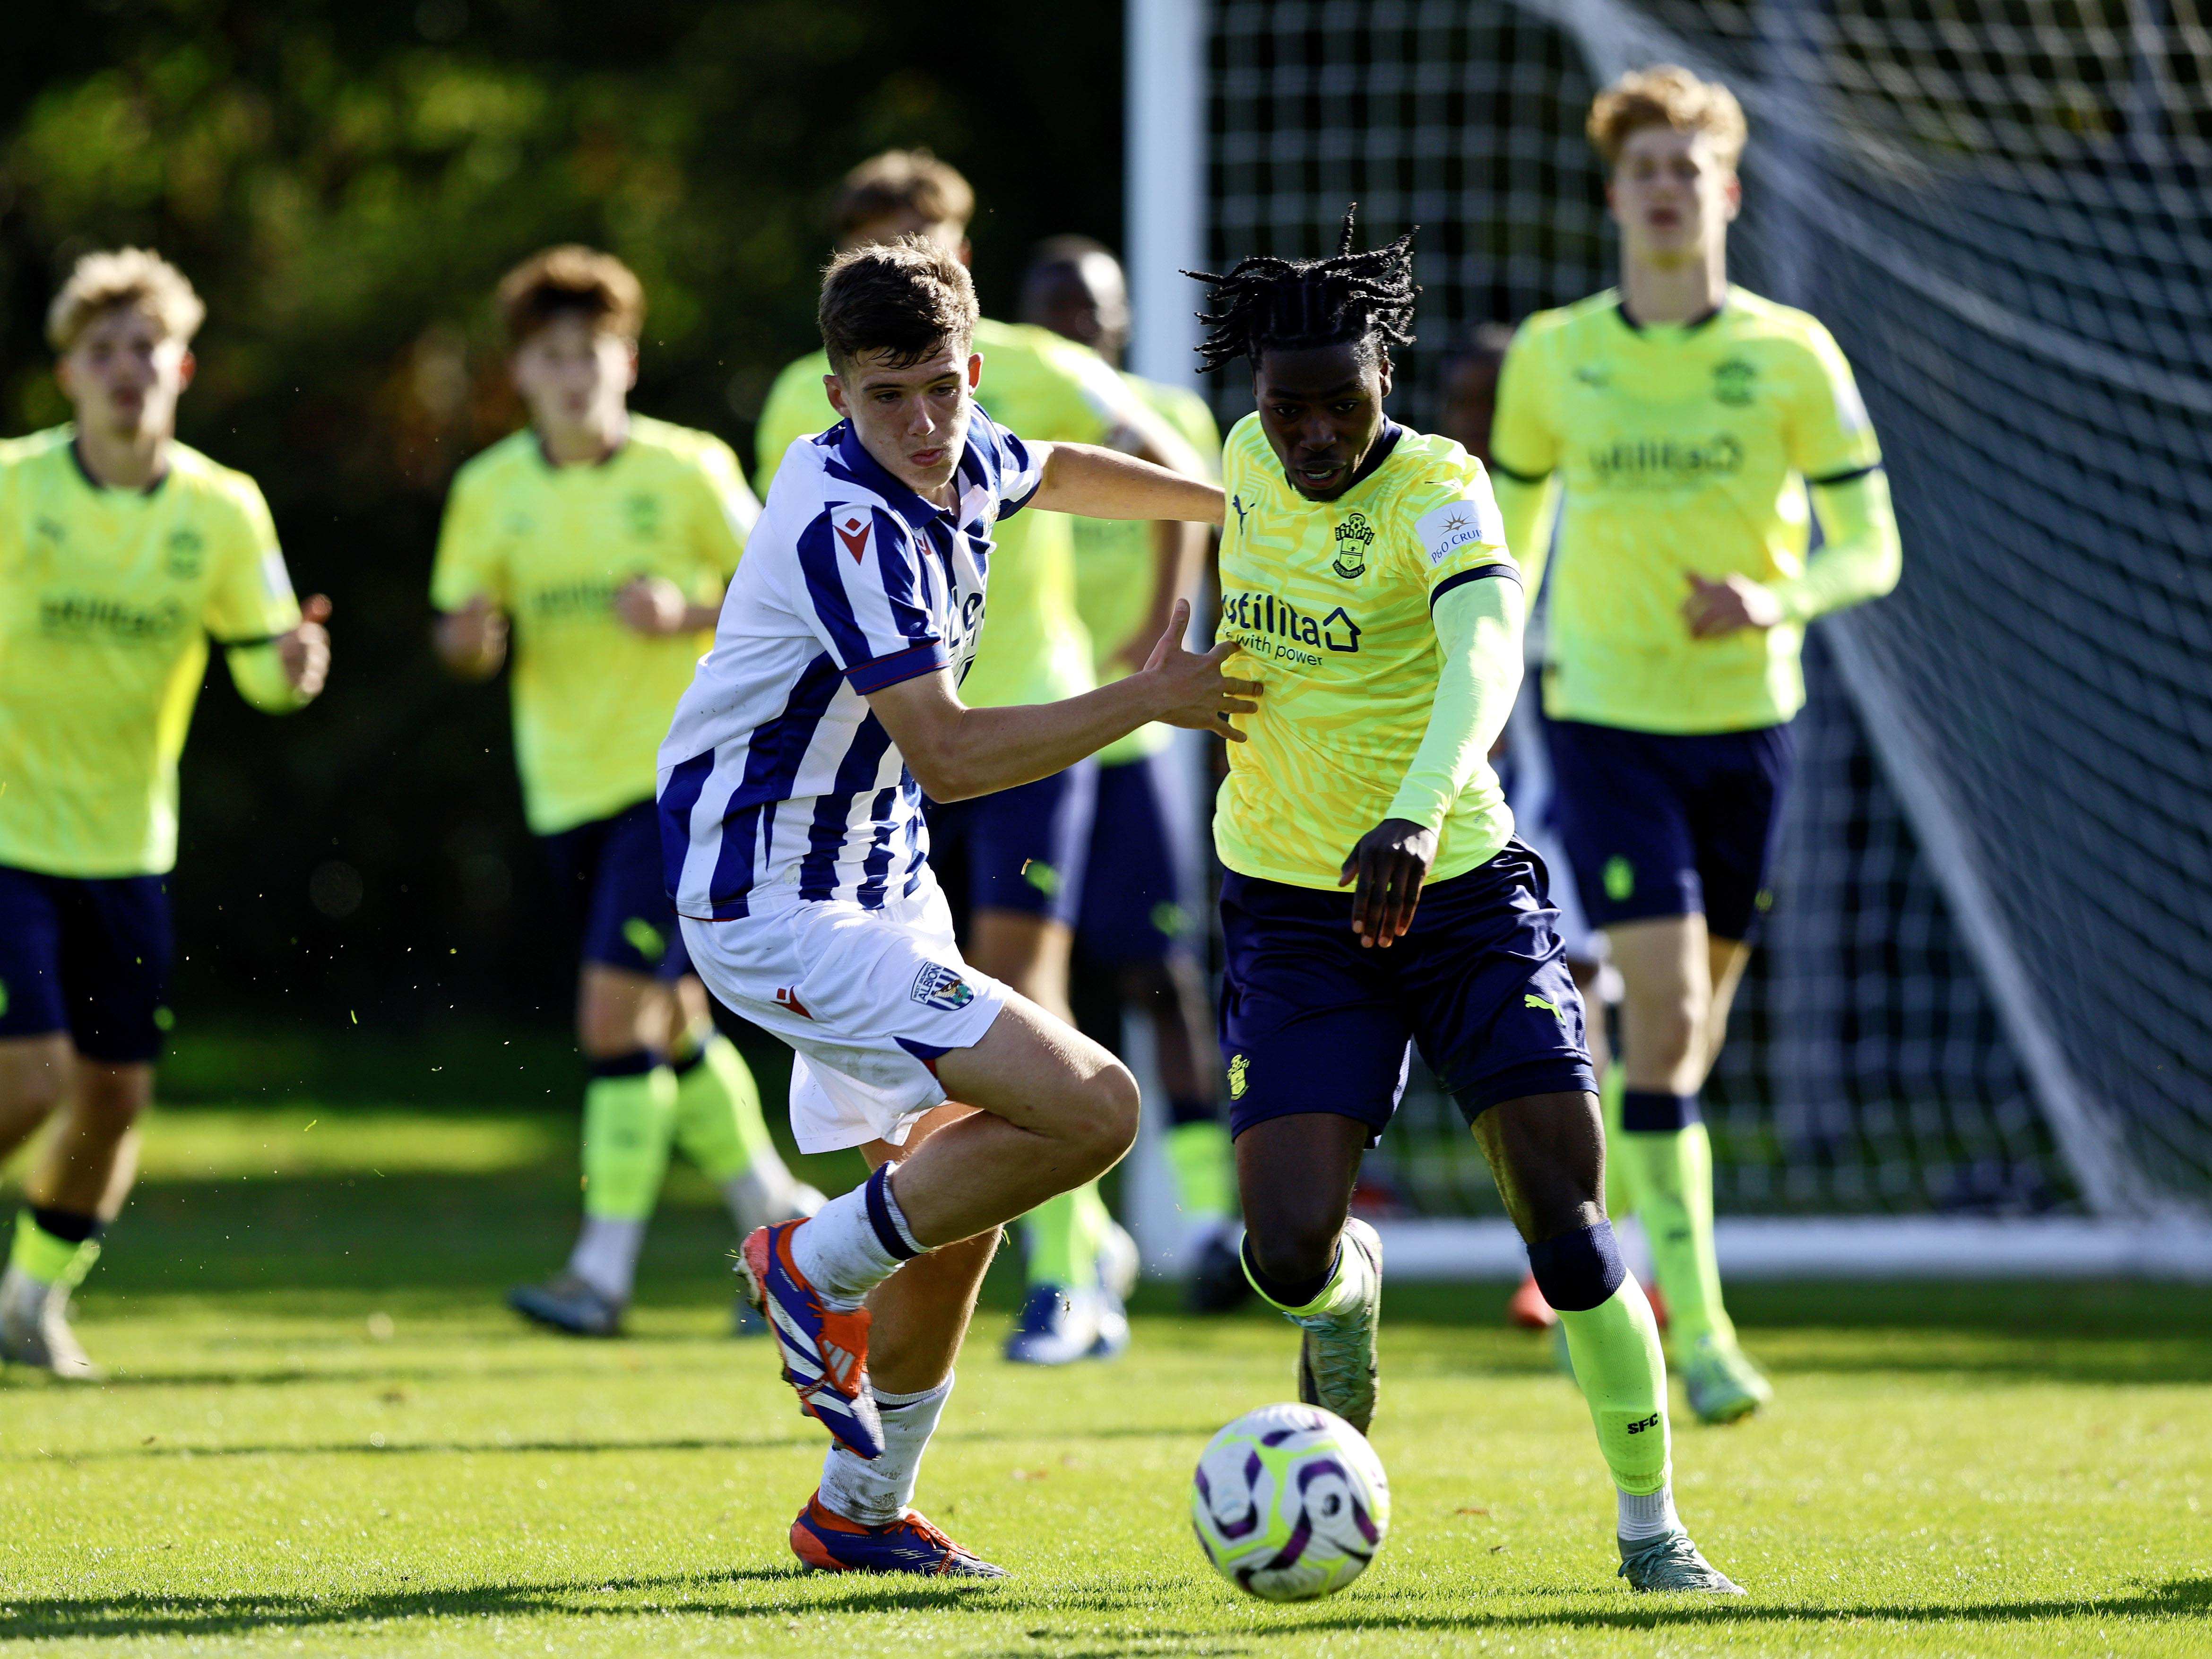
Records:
x=1480, y=572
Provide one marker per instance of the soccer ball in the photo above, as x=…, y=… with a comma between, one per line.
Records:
x=1290, y=1503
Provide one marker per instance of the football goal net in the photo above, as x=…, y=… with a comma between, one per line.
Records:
x=1986, y=986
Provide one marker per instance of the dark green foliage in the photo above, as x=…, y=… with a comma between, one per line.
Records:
x=345, y=183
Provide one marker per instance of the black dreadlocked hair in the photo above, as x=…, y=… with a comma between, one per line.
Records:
x=1266, y=302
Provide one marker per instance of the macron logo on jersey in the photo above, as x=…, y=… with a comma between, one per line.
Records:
x=853, y=525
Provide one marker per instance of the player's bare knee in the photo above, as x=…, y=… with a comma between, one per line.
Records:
x=111, y=1100
x=35, y=1078
x=34, y=1093
x=1670, y=1033
x=1104, y=1125
x=1100, y=1120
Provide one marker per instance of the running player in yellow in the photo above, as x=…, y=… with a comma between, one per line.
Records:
x=121, y=552
x=1686, y=421
x=1364, y=576
x=605, y=540
x=1022, y=851
x=1139, y=922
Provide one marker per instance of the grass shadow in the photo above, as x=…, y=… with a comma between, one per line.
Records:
x=150, y=1615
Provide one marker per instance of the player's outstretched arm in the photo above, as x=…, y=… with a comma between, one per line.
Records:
x=1479, y=625
x=472, y=642
x=955, y=752
x=1101, y=484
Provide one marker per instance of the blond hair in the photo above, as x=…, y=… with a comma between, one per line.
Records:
x=902, y=181
x=1667, y=95
x=571, y=280
x=135, y=276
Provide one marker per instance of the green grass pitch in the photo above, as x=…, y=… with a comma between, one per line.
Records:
x=324, y=1435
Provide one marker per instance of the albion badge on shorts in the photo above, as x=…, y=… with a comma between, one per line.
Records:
x=939, y=987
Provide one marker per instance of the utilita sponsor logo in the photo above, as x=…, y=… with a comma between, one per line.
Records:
x=1267, y=625
x=1652, y=463
x=84, y=616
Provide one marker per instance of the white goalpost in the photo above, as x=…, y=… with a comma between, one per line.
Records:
x=1978, y=1040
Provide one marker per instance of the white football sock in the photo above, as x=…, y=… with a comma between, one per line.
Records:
x=839, y=1251
x=877, y=1492
x=765, y=1194
x=1649, y=1517
x=606, y=1256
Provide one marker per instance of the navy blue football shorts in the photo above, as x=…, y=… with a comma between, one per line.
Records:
x=1657, y=824
x=1135, y=907
x=90, y=958
x=1311, y=1022
x=1024, y=848
x=615, y=892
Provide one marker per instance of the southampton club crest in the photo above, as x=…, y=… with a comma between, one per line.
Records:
x=939, y=987
x=1353, y=537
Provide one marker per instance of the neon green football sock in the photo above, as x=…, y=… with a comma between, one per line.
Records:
x=1619, y=1199
x=1623, y=1376
x=629, y=1122
x=1064, y=1234
x=718, y=1113
x=38, y=1255
x=1670, y=1174
x=1205, y=1172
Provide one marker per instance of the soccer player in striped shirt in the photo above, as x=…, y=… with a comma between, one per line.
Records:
x=1685, y=421
x=603, y=539
x=1020, y=854
x=122, y=551
x=1366, y=582
x=791, y=787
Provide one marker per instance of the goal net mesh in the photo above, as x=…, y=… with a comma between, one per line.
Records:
x=1984, y=982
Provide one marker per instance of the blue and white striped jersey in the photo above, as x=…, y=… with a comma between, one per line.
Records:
x=775, y=777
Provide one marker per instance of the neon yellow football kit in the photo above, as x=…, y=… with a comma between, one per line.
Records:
x=107, y=600
x=552, y=546
x=1680, y=449
x=1386, y=627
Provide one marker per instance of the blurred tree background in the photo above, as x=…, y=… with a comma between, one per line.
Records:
x=345, y=183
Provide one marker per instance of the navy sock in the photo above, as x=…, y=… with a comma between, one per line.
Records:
x=67, y=1225
x=1653, y=1112
x=1577, y=1271
x=1289, y=1294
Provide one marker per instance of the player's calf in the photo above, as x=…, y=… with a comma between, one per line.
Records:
x=1547, y=1152
x=1055, y=1110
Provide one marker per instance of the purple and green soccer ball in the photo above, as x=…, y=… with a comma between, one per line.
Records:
x=1290, y=1503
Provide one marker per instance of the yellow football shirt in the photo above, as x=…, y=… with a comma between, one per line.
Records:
x=1330, y=602
x=1679, y=449
x=551, y=546
x=1117, y=564
x=1037, y=386
x=106, y=600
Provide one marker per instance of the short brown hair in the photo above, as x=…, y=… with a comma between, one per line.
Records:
x=901, y=181
x=903, y=299
x=1665, y=95
x=571, y=281
x=132, y=277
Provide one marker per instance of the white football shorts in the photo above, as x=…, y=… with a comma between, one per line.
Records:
x=867, y=999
